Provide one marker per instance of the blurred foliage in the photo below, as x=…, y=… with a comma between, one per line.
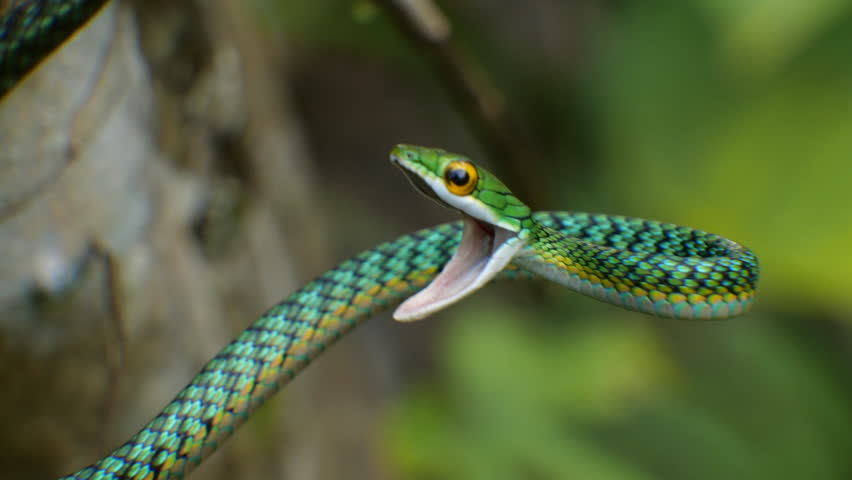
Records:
x=359, y=25
x=764, y=159
x=607, y=397
x=513, y=415
x=730, y=116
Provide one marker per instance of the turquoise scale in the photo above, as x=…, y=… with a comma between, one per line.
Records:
x=284, y=340
x=653, y=267
x=30, y=31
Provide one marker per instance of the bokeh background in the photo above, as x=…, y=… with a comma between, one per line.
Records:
x=276, y=117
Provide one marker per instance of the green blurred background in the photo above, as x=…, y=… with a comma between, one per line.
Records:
x=730, y=116
x=262, y=131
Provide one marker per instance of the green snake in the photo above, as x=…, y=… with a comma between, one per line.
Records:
x=32, y=30
x=656, y=268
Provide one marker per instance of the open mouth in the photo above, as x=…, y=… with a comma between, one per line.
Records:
x=483, y=252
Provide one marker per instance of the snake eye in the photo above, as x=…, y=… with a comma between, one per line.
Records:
x=460, y=177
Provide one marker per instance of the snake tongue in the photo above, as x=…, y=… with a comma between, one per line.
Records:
x=483, y=252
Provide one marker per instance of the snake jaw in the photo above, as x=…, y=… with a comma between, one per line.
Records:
x=483, y=252
x=430, y=182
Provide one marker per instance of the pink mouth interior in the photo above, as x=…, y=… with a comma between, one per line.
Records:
x=474, y=263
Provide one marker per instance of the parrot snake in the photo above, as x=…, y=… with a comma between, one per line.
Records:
x=657, y=268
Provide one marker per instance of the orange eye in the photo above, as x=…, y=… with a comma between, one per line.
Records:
x=460, y=177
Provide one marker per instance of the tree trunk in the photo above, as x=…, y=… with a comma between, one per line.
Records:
x=154, y=197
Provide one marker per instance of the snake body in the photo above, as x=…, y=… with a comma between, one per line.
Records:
x=32, y=30
x=275, y=348
x=657, y=268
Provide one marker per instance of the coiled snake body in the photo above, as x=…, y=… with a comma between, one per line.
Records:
x=656, y=268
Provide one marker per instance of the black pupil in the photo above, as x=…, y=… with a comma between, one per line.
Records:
x=458, y=176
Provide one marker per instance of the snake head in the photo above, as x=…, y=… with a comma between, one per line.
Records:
x=494, y=224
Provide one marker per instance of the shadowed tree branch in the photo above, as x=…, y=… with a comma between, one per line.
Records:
x=478, y=99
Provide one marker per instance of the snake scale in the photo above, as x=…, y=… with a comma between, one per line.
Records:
x=657, y=268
